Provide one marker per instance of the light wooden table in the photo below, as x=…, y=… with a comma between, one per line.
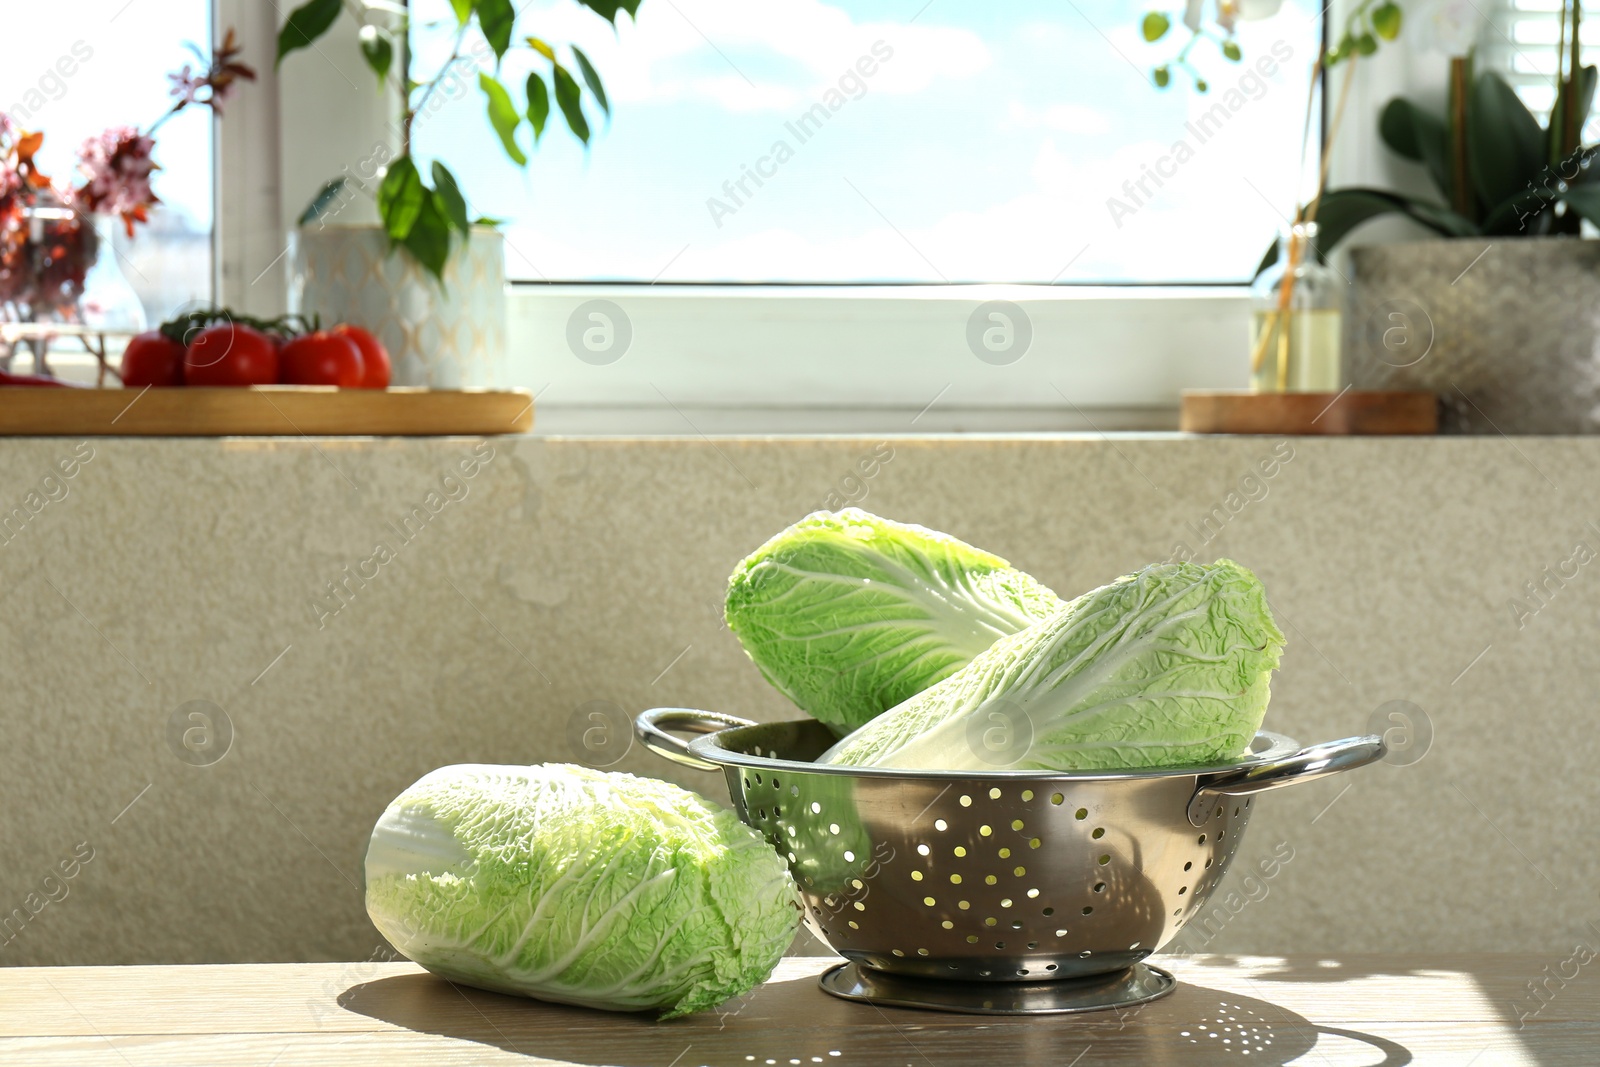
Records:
x=1358, y=1010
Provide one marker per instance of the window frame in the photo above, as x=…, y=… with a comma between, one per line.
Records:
x=743, y=358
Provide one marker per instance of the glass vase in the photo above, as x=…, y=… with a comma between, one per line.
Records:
x=1296, y=319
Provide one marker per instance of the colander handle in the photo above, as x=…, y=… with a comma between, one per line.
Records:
x=651, y=728
x=1306, y=765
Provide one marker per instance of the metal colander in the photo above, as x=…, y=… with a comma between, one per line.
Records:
x=1001, y=892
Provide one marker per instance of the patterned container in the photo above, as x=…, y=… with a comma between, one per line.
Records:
x=1505, y=330
x=446, y=336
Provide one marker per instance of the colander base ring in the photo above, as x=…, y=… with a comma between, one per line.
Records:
x=1138, y=984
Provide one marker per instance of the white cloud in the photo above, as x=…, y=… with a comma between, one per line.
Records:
x=760, y=56
x=1063, y=118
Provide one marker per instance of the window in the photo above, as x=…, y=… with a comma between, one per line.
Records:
x=106, y=64
x=914, y=142
x=1521, y=41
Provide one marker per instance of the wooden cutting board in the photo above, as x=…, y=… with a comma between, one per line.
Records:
x=263, y=411
x=1353, y=411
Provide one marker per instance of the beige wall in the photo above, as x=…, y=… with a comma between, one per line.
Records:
x=578, y=570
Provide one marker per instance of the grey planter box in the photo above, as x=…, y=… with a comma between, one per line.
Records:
x=1505, y=330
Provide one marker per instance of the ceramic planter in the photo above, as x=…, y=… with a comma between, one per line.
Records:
x=446, y=336
x=1505, y=330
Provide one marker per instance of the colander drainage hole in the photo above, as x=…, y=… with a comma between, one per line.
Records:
x=972, y=939
x=1049, y=911
x=758, y=779
x=1022, y=970
x=923, y=850
x=1099, y=832
x=922, y=952
x=1083, y=813
x=940, y=824
x=833, y=828
x=897, y=952
x=1061, y=933
x=1188, y=865
x=794, y=790
x=1085, y=954
x=966, y=801
x=1057, y=799
x=994, y=794
x=775, y=784
x=1099, y=887
x=999, y=944
x=1049, y=966
x=1202, y=839
x=1027, y=795
x=1033, y=944
x=1016, y=924
x=984, y=974
x=1182, y=891
x=1105, y=859
x=1087, y=910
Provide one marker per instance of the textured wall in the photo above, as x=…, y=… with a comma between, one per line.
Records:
x=569, y=571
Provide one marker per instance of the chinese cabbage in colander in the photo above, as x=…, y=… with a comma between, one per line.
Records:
x=1167, y=667
x=849, y=614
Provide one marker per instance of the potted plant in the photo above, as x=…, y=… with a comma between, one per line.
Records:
x=429, y=277
x=1496, y=315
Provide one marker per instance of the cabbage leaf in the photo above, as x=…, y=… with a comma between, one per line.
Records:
x=579, y=886
x=1166, y=667
x=849, y=614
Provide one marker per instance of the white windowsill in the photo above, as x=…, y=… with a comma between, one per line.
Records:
x=705, y=359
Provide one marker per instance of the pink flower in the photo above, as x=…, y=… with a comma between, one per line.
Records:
x=116, y=167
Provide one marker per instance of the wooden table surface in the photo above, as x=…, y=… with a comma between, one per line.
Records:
x=1463, y=1010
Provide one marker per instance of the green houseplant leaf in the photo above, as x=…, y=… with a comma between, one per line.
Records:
x=1558, y=114
x=325, y=198
x=400, y=198
x=305, y=24
x=538, y=105
x=429, y=239
x=503, y=116
x=463, y=10
x=377, y=50
x=591, y=78
x=495, y=18
x=1420, y=136
x=1342, y=210
x=1505, y=146
x=451, y=202
x=1584, y=199
x=568, y=96
x=607, y=9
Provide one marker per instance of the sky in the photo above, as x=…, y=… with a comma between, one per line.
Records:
x=985, y=145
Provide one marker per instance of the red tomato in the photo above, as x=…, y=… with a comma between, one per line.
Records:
x=374, y=357
x=230, y=353
x=322, y=358
x=152, y=359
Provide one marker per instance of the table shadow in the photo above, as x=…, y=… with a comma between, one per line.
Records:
x=791, y=1023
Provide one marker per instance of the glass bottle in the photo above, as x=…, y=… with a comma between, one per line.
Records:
x=1295, y=338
